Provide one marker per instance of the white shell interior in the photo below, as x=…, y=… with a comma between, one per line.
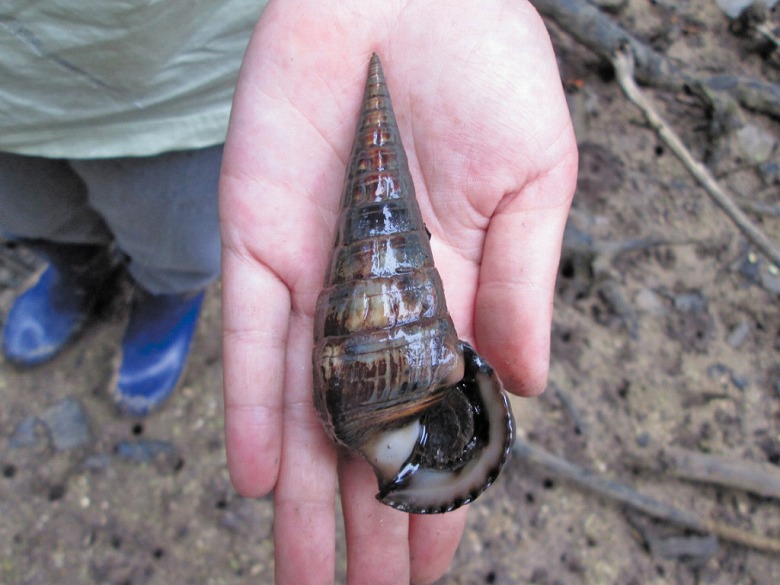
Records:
x=435, y=490
x=390, y=450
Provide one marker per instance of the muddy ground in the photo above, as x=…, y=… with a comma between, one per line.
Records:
x=668, y=335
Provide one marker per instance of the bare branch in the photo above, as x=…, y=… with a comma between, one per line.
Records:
x=623, y=62
x=602, y=35
x=649, y=506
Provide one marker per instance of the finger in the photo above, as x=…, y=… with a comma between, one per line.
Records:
x=377, y=535
x=255, y=311
x=305, y=494
x=433, y=541
x=517, y=279
x=304, y=515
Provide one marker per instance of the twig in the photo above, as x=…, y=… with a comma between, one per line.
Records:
x=578, y=241
x=610, y=291
x=597, y=31
x=689, y=547
x=568, y=406
x=649, y=506
x=759, y=207
x=758, y=478
x=623, y=62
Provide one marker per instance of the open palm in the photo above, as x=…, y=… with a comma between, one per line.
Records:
x=476, y=93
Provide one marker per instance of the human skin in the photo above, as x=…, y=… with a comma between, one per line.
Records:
x=482, y=116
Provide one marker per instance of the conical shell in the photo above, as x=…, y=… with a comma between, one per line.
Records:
x=386, y=351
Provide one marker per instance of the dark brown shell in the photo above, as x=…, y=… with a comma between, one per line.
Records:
x=388, y=364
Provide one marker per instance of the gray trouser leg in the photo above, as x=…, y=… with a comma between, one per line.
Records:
x=161, y=211
x=45, y=199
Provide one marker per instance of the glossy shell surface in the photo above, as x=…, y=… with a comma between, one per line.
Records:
x=391, y=379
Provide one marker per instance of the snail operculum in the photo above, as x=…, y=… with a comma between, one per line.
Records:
x=391, y=379
x=461, y=445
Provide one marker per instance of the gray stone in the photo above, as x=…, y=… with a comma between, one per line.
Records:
x=67, y=423
x=718, y=370
x=749, y=267
x=724, y=373
x=642, y=440
x=26, y=433
x=770, y=171
x=740, y=381
x=163, y=455
x=754, y=144
x=770, y=278
x=690, y=302
x=738, y=335
x=97, y=462
x=144, y=450
x=649, y=302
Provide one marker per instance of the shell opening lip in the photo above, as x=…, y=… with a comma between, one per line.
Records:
x=421, y=490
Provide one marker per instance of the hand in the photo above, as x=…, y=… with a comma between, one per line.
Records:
x=476, y=92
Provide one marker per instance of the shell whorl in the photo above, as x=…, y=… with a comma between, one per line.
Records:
x=386, y=353
x=383, y=300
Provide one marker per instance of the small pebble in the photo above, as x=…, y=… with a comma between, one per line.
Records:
x=770, y=278
x=738, y=335
x=749, y=268
x=718, y=370
x=144, y=450
x=97, y=462
x=740, y=380
x=642, y=440
x=26, y=433
x=753, y=144
x=770, y=171
x=690, y=302
x=649, y=302
x=722, y=371
x=67, y=423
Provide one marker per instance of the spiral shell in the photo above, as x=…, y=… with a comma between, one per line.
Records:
x=391, y=379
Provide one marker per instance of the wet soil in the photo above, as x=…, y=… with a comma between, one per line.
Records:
x=668, y=334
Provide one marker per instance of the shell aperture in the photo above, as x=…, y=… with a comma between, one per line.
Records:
x=392, y=381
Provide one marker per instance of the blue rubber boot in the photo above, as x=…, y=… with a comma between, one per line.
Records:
x=155, y=349
x=49, y=314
